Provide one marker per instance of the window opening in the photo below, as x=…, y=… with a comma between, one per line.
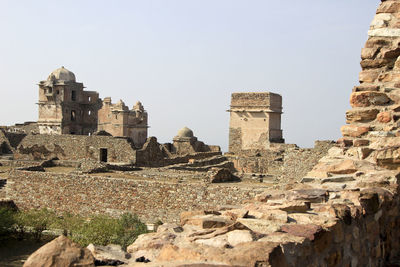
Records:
x=73, y=115
x=73, y=95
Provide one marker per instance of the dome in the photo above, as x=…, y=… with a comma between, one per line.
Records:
x=62, y=74
x=185, y=132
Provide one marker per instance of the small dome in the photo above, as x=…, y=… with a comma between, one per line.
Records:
x=185, y=132
x=62, y=74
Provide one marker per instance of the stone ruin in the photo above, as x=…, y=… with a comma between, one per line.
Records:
x=66, y=108
x=344, y=212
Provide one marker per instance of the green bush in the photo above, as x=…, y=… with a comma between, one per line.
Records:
x=6, y=221
x=104, y=230
x=130, y=228
x=35, y=220
x=100, y=230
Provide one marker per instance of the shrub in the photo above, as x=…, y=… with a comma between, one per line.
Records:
x=99, y=230
x=130, y=228
x=37, y=220
x=104, y=230
x=6, y=221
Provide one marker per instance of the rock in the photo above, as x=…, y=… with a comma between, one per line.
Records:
x=217, y=242
x=361, y=115
x=209, y=221
x=260, y=225
x=338, y=179
x=239, y=236
x=368, y=76
x=109, y=255
x=303, y=230
x=366, y=87
x=384, y=117
x=361, y=142
x=346, y=166
x=60, y=252
x=353, y=130
x=220, y=175
x=365, y=99
x=311, y=195
x=388, y=7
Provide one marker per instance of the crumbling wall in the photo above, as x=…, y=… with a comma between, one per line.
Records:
x=345, y=212
x=284, y=161
x=75, y=147
x=152, y=200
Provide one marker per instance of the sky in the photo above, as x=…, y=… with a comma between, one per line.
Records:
x=183, y=58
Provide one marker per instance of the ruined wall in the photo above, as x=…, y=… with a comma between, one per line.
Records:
x=284, y=161
x=75, y=147
x=345, y=212
x=152, y=200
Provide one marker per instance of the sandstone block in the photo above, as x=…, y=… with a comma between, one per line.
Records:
x=353, y=130
x=305, y=230
x=369, y=53
x=60, y=252
x=368, y=76
x=260, y=225
x=388, y=7
x=366, y=87
x=239, y=236
x=374, y=63
x=109, y=255
x=360, y=142
x=384, y=117
x=209, y=221
x=361, y=115
x=365, y=99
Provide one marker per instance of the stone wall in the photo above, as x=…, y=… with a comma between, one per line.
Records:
x=75, y=147
x=152, y=200
x=284, y=161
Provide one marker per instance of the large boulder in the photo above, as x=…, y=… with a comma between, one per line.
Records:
x=60, y=252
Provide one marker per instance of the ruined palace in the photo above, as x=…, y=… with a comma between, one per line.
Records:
x=66, y=108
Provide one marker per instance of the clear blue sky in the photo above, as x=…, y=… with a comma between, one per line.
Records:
x=183, y=58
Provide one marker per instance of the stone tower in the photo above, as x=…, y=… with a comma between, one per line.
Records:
x=64, y=107
x=255, y=121
x=118, y=120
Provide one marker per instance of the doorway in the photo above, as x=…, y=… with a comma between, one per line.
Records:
x=103, y=154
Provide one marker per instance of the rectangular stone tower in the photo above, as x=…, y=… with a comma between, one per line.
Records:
x=255, y=121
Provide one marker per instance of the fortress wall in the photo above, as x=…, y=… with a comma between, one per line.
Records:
x=74, y=147
x=152, y=200
x=284, y=161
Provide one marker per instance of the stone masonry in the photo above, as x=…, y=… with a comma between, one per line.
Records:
x=345, y=212
x=255, y=121
x=66, y=108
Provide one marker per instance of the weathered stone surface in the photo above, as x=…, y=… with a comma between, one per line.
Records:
x=353, y=130
x=239, y=236
x=306, y=230
x=209, y=221
x=388, y=7
x=366, y=99
x=109, y=255
x=361, y=142
x=361, y=115
x=220, y=175
x=384, y=117
x=60, y=252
